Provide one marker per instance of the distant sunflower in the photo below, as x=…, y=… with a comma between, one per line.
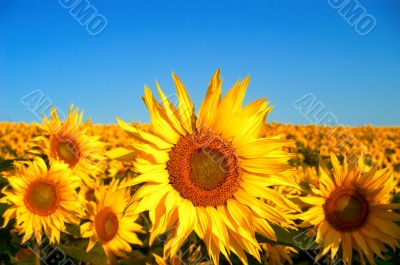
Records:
x=41, y=200
x=69, y=142
x=209, y=174
x=277, y=255
x=351, y=209
x=86, y=191
x=110, y=223
x=192, y=255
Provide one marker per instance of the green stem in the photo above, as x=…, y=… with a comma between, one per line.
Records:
x=37, y=256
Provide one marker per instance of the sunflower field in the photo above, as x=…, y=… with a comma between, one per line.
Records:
x=217, y=185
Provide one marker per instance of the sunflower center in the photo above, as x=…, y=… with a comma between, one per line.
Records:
x=67, y=152
x=346, y=209
x=41, y=198
x=106, y=224
x=209, y=168
x=204, y=169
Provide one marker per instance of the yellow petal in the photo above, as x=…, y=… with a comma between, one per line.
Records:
x=185, y=105
x=210, y=103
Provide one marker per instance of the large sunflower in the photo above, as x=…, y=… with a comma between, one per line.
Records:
x=110, y=223
x=209, y=174
x=69, y=142
x=41, y=200
x=351, y=209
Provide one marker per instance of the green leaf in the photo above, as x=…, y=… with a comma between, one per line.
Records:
x=6, y=164
x=3, y=181
x=78, y=251
x=5, y=242
x=300, y=239
x=73, y=230
x=3, y=208
x=135, y=257
x=289, y=237
x=27, y=261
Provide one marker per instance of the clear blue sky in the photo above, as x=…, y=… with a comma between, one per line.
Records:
x=290, y=48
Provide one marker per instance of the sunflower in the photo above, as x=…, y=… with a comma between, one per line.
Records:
x=109, y=222
x=68, y=142
x=41, y=199
x=351, y=209
x=193, y=255
x=278, y=255
x=210, y=173
x=86, y=191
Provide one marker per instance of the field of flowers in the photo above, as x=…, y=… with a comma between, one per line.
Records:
x=189, y=189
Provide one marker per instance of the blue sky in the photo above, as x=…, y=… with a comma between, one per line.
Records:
x=289, y=48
